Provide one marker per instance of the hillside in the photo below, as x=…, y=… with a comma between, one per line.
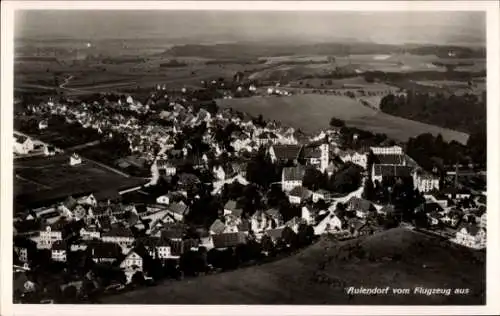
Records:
x=319, y=274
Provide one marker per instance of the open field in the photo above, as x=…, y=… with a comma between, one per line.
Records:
x=49, y=178
x=397, y=258
x=312, y=112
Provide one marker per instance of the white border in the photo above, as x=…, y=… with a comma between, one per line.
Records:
x=6, y=194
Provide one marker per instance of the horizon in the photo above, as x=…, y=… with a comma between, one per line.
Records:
x=395, y=28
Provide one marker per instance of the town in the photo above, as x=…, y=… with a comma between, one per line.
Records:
x=194, y=189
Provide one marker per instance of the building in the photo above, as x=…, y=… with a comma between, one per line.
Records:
x=299, y=194
x=22, y=144
x=132, y=264
x=105, y=252
x=178, y=210
x=48, y=237
x=291, y=177
x=379, y=172
x=354, y=157
x=75, y=160
x=389, y=150
x=284, y=153
x=89, y=234
x=119, y=235
x=163, y=199
x=59, y=251
x=425, y=182
x=321, y=194
x=318, y=156
x=227, y=240
x=361, y=207
x=471, y=235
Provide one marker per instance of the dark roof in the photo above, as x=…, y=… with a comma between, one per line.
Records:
x=274, y=233
x=105, y=250
x=178, y=208
x=217, y=226
x=301, y=192
x=387, y=209
x=293, y=173
x=104, y=195
x=359, y=204
x=119, y=231
x=472, y=229
x=392, y=171
x=230, y=205
x=20, y=138
x=389, y=159
x=312, y=152
x=244, y=226
x=173, y=230
x=274, y=213
x=229, y=239
x=287, y=152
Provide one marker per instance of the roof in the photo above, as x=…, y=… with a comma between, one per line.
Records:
x=293, y=173
x=217, y=226
x=230, y=205
x=105, y=250
x=387, y=209
x=274, y=213
x=119, y=231
x=244, y=226
x=472, y=229
x=59, y=245
x=312, y=152
x=20, y=138
x=301, y=192
x=287, y=152
x=389, y=159
x=229, y=239
x=178, y=208
x=274, y=233
x=173, y=230
x=357, y=203
x=392, y=171
x=355, y=223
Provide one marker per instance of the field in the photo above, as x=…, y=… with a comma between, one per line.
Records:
x=312, y=112
x=49, y=178
x=319, y=274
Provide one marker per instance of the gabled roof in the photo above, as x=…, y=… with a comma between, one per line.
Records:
x=105, y=250
x=230, y=205
x=173, y=230
x=293, y=173
x=59, y=245
x=389, y=159
x=392, y=171
x=274, y=213
x=217, y=226
x=301, y=192
x=312, y=152
x=359, y=204
x=119, y=231
x=287, y=152
x=229, y=239
x=178, y=208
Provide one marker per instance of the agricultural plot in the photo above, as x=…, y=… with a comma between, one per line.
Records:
x=312, y=112
x=43, y=179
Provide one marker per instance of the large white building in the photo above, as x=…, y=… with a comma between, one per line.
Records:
x=425, y=182
x=291, y=177
x=389, y=150
x=22, y=144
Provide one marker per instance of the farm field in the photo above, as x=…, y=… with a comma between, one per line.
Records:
x=312, y=112
x=319, y=274
x=48, y=178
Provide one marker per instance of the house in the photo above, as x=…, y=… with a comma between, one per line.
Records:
x=387, y=150
x=156, y=247
x=89, y=234
x=390, y=159
x=307, y=215
x=425, y=182
x=219, y=173
x=75, y=160
x=471, y=235
x=284, y=153
x=274, y=234
x=43, y=124
x=389, y=171
x=229, y=207
x=274, y=217
x=173, y=231
x=435, y=217
x=131, y=264
x=318, y=156
x=321, y=194
x=49, y=150
x=355, y=157
x=291, y=177
x=329, y=223
x=87, y=200
x=386, y=210
x=120, y=235
x=361, y=207
x=59, y=251
x=217, y=227
x=355, y=227
x=227, y=240
x=22, y=144
x=104, y=252
x=48, y=237
x=299, y=194
x=22, y=253
x=163, y=199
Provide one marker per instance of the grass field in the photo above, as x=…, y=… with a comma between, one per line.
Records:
x=312, y=112
x=319, y=275
x=46, y=178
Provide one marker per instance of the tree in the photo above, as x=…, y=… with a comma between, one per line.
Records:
x=138, y=278
x=369, y=190
x=335, y=122
x=69, y=294
x=313, y=179
x=289, y=237
x=305, y=234
x=267, y=245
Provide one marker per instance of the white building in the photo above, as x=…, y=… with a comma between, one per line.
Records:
x=22, y=144
x=59, y=251
x=389, y=150
x=291, y=177
x=425, y=182
x=89, y=234
x=48, y=237
x=355, y=157
x=75, y=160
x=163, y=199
x=471, y=236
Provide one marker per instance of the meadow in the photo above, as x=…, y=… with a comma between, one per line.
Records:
x=312, y=112
x=319, y=274
x=40, y=179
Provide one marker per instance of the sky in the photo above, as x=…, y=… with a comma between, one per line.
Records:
x=382, y=27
